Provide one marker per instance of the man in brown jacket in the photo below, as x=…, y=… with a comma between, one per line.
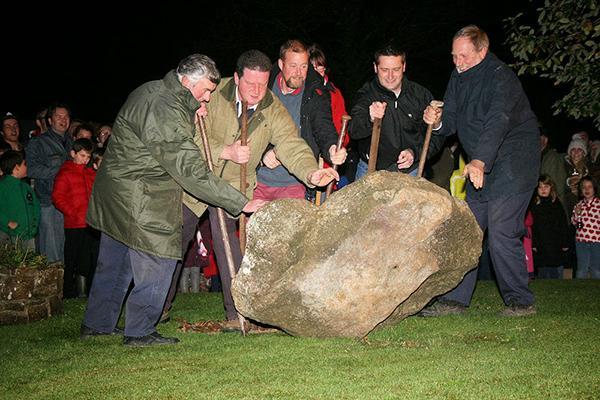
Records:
x=268, y=123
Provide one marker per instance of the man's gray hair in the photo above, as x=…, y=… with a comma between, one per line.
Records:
x=476, y=35
x=196, y=67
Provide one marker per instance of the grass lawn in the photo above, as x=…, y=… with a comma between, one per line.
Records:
x=479, y=355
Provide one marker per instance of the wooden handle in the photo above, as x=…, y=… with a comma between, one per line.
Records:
x=243, y=171
x=220, y=215
x=375, y=134
x=345, y=120
x=434, y=104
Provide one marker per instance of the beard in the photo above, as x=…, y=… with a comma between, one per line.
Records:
x=294, y=82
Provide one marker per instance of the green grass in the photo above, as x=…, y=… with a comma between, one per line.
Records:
x=553, y=355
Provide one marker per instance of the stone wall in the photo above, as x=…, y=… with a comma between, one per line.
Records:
x=30, y=294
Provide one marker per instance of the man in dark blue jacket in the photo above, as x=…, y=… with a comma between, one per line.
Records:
x=486, y=105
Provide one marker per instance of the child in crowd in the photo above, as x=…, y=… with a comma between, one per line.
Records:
x=71, y=194
x=550, y=231
x=586, y=217
x=19, y=206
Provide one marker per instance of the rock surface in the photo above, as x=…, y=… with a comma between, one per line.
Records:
x=376, y=252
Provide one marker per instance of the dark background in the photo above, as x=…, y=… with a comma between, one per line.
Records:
x=92, y=60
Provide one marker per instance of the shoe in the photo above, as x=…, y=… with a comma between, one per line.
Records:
x=86, y=332
x=441, y=308
x=231, y=325
x=518, y=310
x=165, y=317
x=149, y=340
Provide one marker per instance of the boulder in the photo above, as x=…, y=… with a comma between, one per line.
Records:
x=375, y=252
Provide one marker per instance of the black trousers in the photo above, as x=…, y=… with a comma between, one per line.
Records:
x=219, y=248
x=190, y=224
x=80, y=254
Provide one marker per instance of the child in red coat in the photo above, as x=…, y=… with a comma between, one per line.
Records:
x=71, y=195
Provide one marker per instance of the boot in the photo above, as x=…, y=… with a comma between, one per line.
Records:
x=195, y=275
x=80, y=282
x=184, y=280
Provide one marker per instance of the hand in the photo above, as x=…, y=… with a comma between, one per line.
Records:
x=236, y=152
x=336, y=156
x=406, y=158
x=377, y=110
x=323, y=176
x=202, y=111
x=254, y=205
x=578, y=209
x=13, y=224
x=433, y=116
x=475, y=171
x=270, y=159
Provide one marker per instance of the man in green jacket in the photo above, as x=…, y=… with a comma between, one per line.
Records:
x=137, y=195
x=269, y=123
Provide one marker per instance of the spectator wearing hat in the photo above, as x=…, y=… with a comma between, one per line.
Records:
x=576, y=164
x=10, y=133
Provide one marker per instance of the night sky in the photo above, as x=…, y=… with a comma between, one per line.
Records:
x=92, y=61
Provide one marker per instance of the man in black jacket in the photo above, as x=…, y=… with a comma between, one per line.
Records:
x=486, y=105
x=400, y=103
x=300, y=89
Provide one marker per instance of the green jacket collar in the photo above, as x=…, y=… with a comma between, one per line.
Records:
x=172, y=84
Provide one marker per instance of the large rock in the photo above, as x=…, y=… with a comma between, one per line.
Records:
x=376, y=251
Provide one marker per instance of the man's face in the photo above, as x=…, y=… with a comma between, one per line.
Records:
x=294, y=68
x=390, y=70
x=464, y=54
x=252, y=85
x=60, y=120
x=202, y=89
x=10, y=130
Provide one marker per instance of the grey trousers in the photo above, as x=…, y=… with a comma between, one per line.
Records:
x=119, y=265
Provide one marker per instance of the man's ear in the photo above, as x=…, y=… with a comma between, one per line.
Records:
x=375, y=67
x=236, y=79
x=185, y=82
x=280, y=64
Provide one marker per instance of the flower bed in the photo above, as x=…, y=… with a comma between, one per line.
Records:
x=30, y=290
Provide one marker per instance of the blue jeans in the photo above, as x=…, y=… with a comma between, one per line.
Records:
x=362, y=168
x=51, y=241
x=117, y=266
x=588, y=260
